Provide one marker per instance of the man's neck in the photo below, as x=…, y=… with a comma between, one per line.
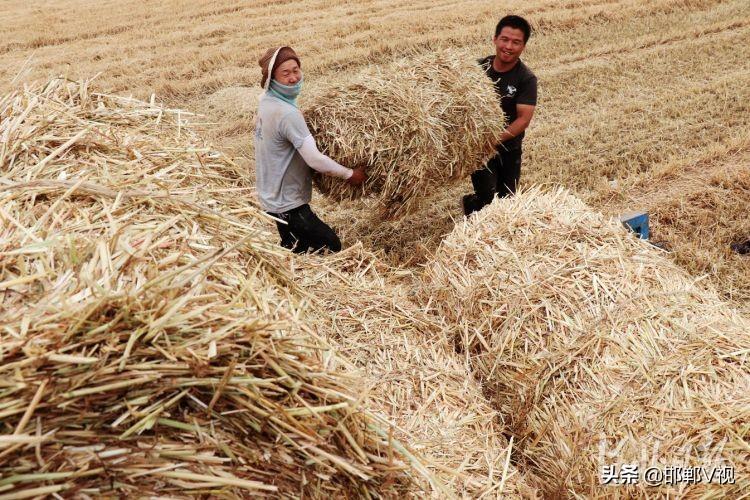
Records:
x=501, y=67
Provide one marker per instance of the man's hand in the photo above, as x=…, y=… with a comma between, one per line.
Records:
x=358, y=177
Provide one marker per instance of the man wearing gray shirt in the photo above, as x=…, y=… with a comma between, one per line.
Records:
x=285, y=151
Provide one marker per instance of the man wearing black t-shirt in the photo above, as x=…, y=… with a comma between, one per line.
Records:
x=515, y=85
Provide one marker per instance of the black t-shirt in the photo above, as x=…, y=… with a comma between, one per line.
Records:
x=517, y=86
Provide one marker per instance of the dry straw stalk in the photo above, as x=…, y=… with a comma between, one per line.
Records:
x=412, y=374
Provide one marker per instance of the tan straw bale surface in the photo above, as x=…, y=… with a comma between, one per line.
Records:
x=149, y=343
x=416, y=124
x=595, y=348
x=405, y=241
x=413, y=375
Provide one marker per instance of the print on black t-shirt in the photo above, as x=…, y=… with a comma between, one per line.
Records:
x=517, y=86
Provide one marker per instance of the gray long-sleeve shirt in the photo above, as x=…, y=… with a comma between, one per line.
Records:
x=284, y=152
x=283, y=179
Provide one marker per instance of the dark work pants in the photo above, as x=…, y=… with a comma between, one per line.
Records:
x=305, y=232
x=499, y=177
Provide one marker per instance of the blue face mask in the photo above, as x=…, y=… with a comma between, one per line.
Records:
x=286, y=93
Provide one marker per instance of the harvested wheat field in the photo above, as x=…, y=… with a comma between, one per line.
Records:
x=623, y=100
x=702, y=212
x=155, y=340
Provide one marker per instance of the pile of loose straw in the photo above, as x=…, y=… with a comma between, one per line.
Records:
x=149, y=344
x=596, y=348
x=415, y=124
x=414, y=376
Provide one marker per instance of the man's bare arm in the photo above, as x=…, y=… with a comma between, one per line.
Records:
x=525, y=113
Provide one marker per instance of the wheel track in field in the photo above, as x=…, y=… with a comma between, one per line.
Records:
x=615, y=142
x=633, y=49
x=459, y=35
x=603, y=70
x=166, y=21
x=632, y=8
x=604, y=118
x=549, y=22
x=62, y=40
x=388, y=52
x=572, y=15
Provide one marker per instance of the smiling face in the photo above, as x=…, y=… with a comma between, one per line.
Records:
x=509, y=44
x=288, y=72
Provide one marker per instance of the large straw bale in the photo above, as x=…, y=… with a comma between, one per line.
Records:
x=414, y=376
x=148, y=344
x=596, y=348
x=415, y=124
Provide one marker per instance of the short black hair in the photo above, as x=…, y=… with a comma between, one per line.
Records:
x=516, y=22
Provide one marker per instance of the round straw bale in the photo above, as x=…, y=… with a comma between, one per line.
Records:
x=150, y=342
x=597, y=349
x=415, y=125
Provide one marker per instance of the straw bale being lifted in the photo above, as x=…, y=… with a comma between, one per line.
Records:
x=597, y=349
x=148, y=344
x=415, y=125
x=413, y=375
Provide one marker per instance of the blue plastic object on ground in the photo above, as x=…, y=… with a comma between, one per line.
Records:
x=637, y=222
